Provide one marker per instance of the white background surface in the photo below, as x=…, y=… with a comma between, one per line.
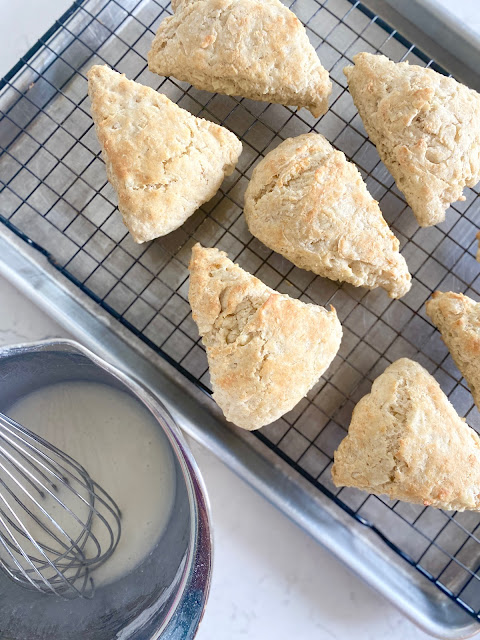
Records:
x=270, y=580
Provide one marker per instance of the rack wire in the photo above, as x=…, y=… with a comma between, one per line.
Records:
x=54, y=194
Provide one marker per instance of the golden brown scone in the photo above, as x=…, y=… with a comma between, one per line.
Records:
x=162, y=161
x=426, y=128
x=307, y=202
x=265, y=350
x=457, y=317
x=407, y=441
x=252, y=48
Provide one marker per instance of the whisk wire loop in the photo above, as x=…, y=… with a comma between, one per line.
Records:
x=13, y=545
x=56, y=524
x=35, y=517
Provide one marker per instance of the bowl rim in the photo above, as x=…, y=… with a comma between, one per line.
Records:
x=198, y=564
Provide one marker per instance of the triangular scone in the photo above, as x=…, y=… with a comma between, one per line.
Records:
x=265, y=350
x=457, y=317
x=407, y=441
x=252, y=48
x=162, y=161
x=426, y=128
x=307, y=202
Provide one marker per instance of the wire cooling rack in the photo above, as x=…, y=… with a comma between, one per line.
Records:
x=55, y=195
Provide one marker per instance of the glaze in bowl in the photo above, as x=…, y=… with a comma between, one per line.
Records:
x=165, y=595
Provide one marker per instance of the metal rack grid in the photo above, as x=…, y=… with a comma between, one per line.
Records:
x=55, y=195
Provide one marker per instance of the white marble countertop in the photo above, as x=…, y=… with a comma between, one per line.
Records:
x=270, y=579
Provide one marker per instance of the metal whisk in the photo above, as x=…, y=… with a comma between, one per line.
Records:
x=56, y=524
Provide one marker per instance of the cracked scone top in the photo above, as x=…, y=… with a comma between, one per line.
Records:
x=162, y=161
x=426, y=128
x=307, y=202
x=265, y=350
x=407, y=441
x=252, y=48
x=457, y=317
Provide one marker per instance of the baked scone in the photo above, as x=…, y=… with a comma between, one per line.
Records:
x=457, y=317
x=252, y=48
x=265, y=350
x=162, y=161
x=426, y=128
x=307, y=202
x=407, y=441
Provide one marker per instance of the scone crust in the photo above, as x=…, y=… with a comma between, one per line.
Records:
x=426, y=128
x=252, y=48
x=265, y=350
x=162, y=161
x=307, y=202
x=457, y=317
x=407, y=441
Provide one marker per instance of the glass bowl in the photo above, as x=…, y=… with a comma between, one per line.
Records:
x=163, y=597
